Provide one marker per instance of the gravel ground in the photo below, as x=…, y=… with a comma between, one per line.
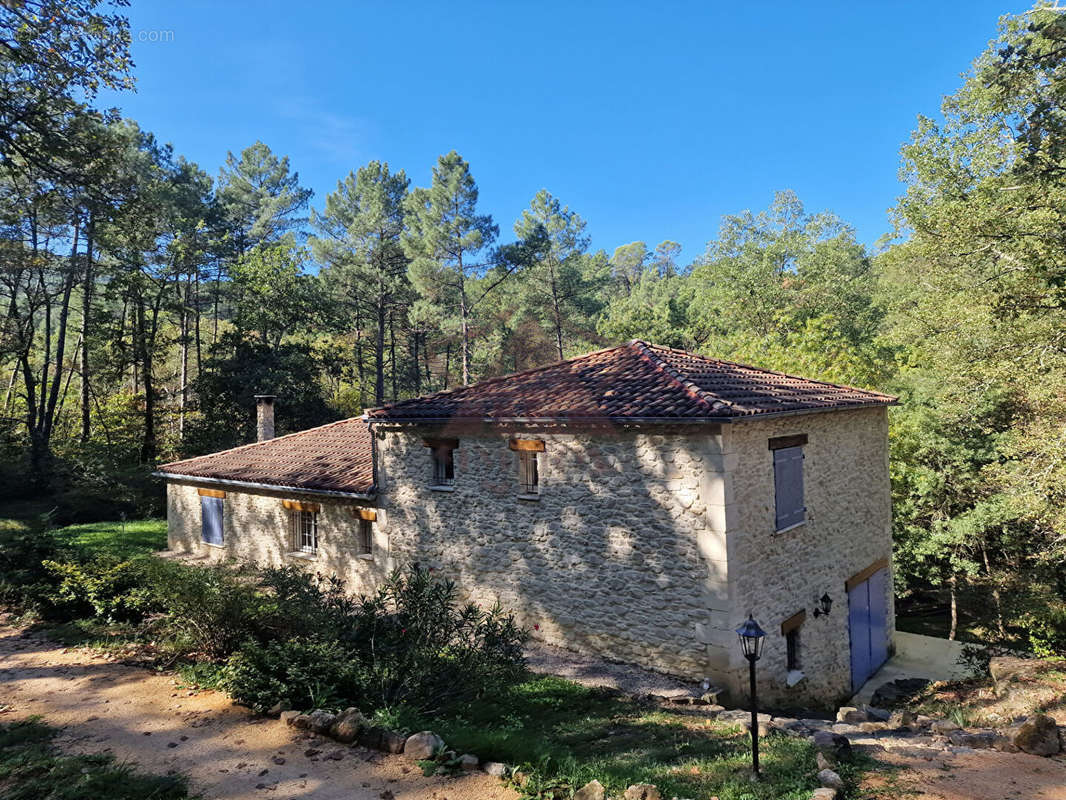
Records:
x=144, y=718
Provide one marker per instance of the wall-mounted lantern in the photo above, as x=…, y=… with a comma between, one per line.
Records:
x=826, y=604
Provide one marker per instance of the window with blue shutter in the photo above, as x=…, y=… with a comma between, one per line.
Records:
x=788, y=487
x=211, y=519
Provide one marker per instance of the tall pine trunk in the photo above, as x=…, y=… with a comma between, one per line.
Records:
x=86, y=309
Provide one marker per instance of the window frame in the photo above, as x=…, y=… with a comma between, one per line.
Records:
x=787, y=463
x=298, y=531
x=529, y=467
x=442, y=462
x=365, y=543
x=793, y=649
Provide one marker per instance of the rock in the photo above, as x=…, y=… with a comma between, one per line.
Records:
x=823, y=761
x=392, y=742
x=831, y=780
x=875, y=714
x=372, y=736
x=593, y=790
x=642, y=791
x=901, y=719
x=824, y=793
x=468, y=762
x=816, y=724
x=276, y=709
x=846, y=729
x=943, y=726
x=422, y=745
x=894, y=692
x=832, y=744
x=734, y=715
x=850, y=715
x=494, y=768
x=923, y=721
x=321, y=721
x=296, y=719
x=978, y=740
x=335, y=755
x=347, y=726
x=1038, y=735
x=279, y=760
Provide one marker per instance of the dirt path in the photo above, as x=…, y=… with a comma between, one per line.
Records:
x=928, y=770
x=141, y=717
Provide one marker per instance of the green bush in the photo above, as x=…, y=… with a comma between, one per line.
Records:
x=25, y=581
x=303, y=672
x=105, y=587
x=417, y=645
x=209, y=612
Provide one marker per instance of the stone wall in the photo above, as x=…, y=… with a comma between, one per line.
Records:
x=647, y=548
x=848, y=528
x=618, y=556
x=256, y=529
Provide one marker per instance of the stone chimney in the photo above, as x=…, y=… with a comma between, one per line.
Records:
x=264, y=405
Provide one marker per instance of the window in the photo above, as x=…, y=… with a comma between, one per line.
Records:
x=792, y=649
x=443, y=466
x=529, y=463
x=211, y=517
x=304, y=531
x=788, y=481
x=366, y=537
x=441, y=451
x=528, y=476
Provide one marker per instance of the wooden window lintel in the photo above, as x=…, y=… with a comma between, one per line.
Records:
x=360, y=512
x=301, y=505
x=794, y=621
x=781, y=442
x=211, y=493
x=526, y=445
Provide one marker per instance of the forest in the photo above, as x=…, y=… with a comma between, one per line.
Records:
x=145, y=301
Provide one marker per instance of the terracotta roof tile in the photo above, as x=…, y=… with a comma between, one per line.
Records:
x=337, y=457
x=635, y=381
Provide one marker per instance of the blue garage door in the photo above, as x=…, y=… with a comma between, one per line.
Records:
x=868, y=622
x=211, y=519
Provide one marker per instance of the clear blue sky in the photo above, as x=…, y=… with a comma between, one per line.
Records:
x=651, y=119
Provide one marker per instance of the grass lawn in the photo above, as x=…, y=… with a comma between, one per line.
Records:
x=126, y=538
x=32, y=769
x=562, y=734
x=119, y=538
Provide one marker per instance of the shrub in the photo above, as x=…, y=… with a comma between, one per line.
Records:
x=105, y=587
x=25, y=581
x=208, y=611
x=418, y=646
x=304, y=672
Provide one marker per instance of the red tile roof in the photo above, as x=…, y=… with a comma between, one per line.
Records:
x=336, y=458
x=631, y=383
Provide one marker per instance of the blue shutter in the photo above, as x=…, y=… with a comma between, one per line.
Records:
x=788, y=487
x=211, y=519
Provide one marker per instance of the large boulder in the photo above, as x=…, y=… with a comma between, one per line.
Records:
x=851, y=715
x=422, y=745
x=831, y=780
x=1038, y=735
x=832, y=744
x=347, y=726
x=593, y=790
x=978, y=740
x=321, y=721
x=642, y=791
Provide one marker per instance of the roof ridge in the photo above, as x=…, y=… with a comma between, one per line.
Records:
x=647, y=352
x=250, y=445
x=497, y=378
x=766, y=371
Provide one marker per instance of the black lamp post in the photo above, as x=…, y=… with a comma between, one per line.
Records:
x=751, y=638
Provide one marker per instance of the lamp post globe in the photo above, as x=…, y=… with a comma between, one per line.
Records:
x=751, y=638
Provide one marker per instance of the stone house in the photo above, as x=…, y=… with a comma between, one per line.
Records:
x=636, y=503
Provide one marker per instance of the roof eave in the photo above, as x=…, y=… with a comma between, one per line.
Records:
x=371, y=495
x=626, y=420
